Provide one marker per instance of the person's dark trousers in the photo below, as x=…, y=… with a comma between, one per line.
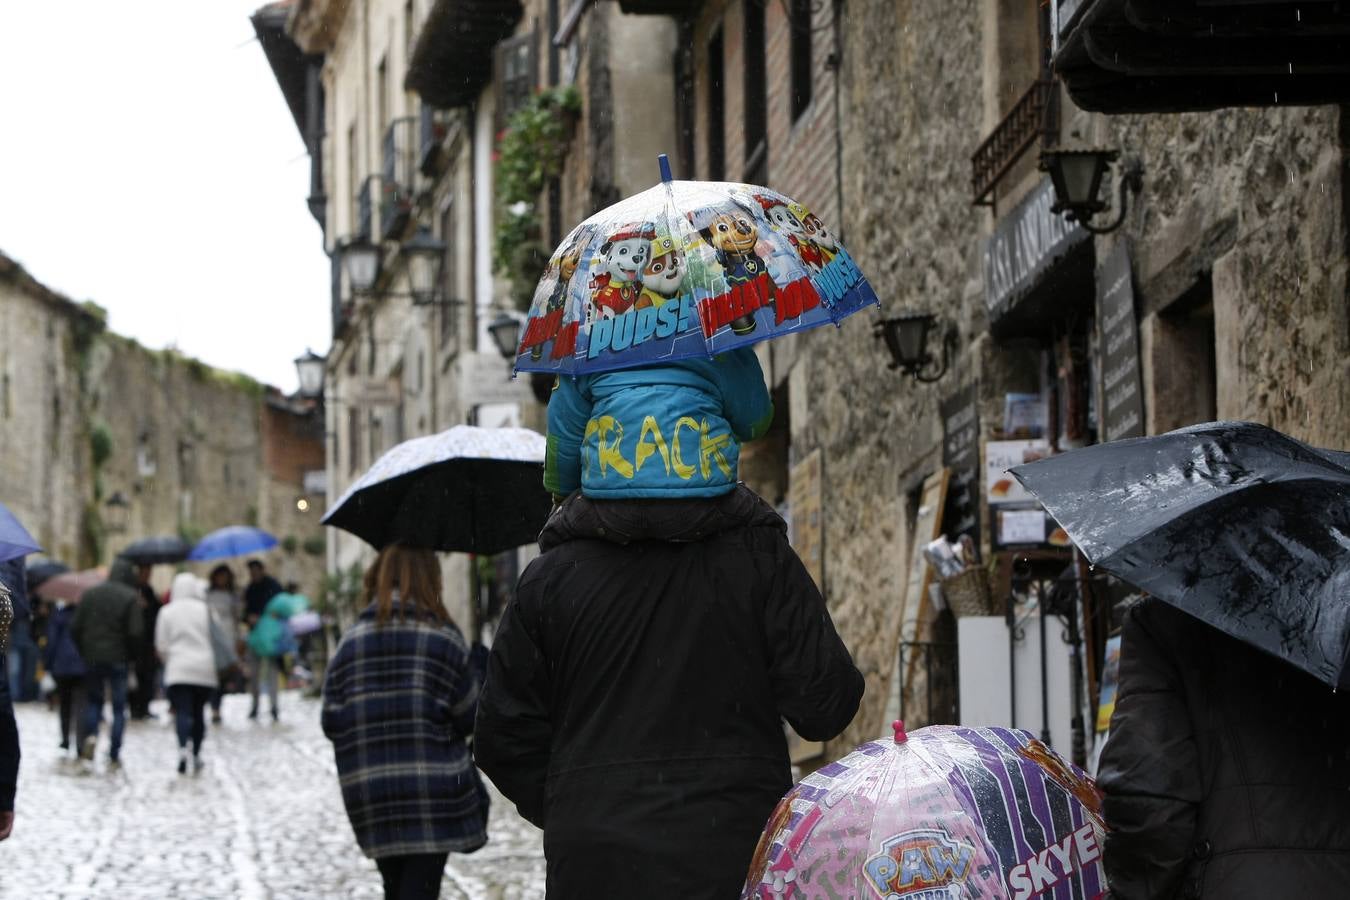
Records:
x=147, y=672
x=415, y=877
x=69, y=694
x=110, y=677
x=9, y=745
x=189, y=713
x=215, y=700
x=23, y=659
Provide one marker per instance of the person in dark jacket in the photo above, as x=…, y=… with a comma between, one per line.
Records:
x=146, y=664
x=9, y=730
x=398, y=703
x=22, y=658
x=108, y=628
x=62, y=660
x=1227, y=771
x=637, y=685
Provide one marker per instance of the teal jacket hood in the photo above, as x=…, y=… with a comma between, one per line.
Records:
x=658, y=431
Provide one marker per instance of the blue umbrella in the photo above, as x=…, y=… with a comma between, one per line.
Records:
x=14, y=538
x=233, y=540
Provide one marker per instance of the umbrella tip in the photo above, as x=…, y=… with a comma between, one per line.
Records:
x=664, y=162
x=899, y=726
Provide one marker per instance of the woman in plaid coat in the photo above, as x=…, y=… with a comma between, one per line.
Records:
x=399, y=700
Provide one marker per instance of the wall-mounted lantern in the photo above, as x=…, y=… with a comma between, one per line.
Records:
x=906, y=338
x=1078, y=175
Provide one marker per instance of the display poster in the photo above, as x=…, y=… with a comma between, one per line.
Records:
x=1118, y=342
x=961, y=454
x=1000, y=456
x=1106, y=704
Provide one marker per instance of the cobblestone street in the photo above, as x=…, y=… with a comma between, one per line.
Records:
x=263, y=820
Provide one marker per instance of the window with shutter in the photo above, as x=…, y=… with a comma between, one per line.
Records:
x=516, y=75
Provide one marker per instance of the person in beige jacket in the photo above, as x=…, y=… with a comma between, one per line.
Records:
x=183, y=642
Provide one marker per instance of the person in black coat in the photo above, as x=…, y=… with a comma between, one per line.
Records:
x=637, y=685
x=9, y=730
x=1227, y=771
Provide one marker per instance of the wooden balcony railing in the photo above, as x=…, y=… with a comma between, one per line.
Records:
x=1035, y=115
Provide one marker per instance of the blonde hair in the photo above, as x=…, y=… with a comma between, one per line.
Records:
x=415, y=574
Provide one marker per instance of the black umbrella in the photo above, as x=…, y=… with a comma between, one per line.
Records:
x=477, y=490
x=152, y=551
x=39, y=572
x=1232, y=522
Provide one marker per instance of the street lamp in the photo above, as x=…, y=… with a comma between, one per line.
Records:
x=906, y=338
x=505, y=331
x=310, y=369
x=426, y=257
x=1077, y=176
x=361, y=259
x=119, y=511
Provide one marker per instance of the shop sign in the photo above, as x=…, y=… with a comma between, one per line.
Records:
x=1001, y=488
x=1025, y=243
x=1118, y=344
x=961, y=454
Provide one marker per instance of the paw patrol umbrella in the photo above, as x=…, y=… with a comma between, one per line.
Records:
x=686, y=269
x=944, y=813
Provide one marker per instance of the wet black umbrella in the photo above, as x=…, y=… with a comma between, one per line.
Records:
x=1232, y=522
x=477, y=490
x=153, y=551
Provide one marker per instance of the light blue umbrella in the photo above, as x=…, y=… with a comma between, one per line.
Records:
x=233, y=540
x=14, y=538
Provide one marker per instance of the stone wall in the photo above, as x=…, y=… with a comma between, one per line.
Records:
x=181, y=441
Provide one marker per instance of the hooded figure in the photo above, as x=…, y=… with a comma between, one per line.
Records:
x=637, y=685
x=183, y=641
x=1226, y=772
x=108, y=630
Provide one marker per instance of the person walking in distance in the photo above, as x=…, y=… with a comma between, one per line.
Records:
x=261, y=588
x=62, y=660
x=108, y=629
x=183, y=641
x=9, y=730
x=223, y=601
x=146, y=663
x=398, y=703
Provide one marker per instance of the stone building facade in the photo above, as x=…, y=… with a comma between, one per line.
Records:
x=914, y=130
x=90, y=416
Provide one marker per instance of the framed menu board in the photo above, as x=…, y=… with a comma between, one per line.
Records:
x=927, y=526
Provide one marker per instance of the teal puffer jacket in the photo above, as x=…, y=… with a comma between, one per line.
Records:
x=657, y=431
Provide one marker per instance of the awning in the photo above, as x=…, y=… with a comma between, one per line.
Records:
x=287, y=60
x=452, y=61
x=1126, y=56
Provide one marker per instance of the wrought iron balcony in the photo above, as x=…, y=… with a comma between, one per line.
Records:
x=365, y=208
x=400, y=171
x=434, y=126
x=1035, y=115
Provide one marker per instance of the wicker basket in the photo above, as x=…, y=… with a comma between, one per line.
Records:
x=968, y=592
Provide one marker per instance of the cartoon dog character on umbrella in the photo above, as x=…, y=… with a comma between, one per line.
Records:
x=565, y=265
x=787, y=223
x=623, y=256
x=818, y=234
x=664, y=274
x=734, y=237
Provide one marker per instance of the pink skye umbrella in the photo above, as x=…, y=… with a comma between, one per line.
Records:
x=944, y=813
x=69, y=586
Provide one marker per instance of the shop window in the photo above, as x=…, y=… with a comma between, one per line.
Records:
x=1183, y=361
x=800, y=53
x=515, y=75
x=756, y=101
x=717, y=109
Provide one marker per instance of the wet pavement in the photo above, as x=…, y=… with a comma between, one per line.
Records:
x=263, y=820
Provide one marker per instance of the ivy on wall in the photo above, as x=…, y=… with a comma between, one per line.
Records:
x=531, y=150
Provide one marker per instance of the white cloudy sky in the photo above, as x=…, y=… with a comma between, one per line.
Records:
x=149, y=163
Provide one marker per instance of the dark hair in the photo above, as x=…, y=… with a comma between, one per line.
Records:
x=255, y=564
x=225, y=570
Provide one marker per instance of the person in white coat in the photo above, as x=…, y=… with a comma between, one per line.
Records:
x=183, y=642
